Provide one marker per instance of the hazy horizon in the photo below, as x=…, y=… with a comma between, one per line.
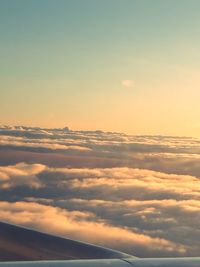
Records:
x=27, y=126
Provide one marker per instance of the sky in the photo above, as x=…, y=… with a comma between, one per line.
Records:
x=117, y=65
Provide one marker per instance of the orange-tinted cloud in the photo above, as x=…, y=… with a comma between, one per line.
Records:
x=77, y=225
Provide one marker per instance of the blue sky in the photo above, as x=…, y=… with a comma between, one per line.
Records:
x=64, y=62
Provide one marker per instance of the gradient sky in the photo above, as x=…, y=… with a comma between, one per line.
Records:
x=119, y=65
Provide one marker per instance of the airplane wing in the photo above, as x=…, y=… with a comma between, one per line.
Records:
x=22, y=247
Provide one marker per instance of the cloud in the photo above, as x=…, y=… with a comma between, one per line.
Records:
x=140, y=187
x=123, y=201
x=76, y=225
x=60, y=147
x=128, y=83
x=20, y=174
x=45, y=143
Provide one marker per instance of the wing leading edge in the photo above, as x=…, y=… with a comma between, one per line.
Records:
x=21, y=247
x=22, y=244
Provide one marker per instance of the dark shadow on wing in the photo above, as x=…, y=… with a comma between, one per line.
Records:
x=21, y=244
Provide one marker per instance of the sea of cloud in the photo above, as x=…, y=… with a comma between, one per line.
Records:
x=137, y=194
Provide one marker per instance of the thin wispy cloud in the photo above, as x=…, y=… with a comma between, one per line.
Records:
x=128, y=83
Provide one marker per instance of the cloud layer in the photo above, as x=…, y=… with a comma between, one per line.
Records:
x=132, y=193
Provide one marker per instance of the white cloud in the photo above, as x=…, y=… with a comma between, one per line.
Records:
x=128, y=83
